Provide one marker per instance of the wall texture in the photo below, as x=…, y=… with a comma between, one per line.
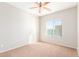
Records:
x=17, y=27
x=69, y=27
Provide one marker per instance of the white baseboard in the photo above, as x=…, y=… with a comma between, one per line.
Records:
x=58, y=43
x=14, y=47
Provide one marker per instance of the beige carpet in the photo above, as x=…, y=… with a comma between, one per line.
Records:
x=40, y=49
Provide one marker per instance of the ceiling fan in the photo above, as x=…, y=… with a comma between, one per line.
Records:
x=41, y=5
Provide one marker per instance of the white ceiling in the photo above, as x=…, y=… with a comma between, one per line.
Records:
x=58, y=6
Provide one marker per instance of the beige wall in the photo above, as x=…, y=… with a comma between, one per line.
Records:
x=17, y=27
x=69, y=27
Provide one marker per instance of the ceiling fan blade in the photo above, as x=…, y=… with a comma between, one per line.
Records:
x=45, y=3
x=47, y=8
x=36, y=3
x=33, y=7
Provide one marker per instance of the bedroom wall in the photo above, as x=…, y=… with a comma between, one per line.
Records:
x=69, y=27
x=17, y=27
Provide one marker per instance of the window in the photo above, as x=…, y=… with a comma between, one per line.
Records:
x=54, y=28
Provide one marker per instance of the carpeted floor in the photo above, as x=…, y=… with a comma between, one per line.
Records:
x=40, y=49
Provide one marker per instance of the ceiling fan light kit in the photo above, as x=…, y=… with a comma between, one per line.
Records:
x=41, y=5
